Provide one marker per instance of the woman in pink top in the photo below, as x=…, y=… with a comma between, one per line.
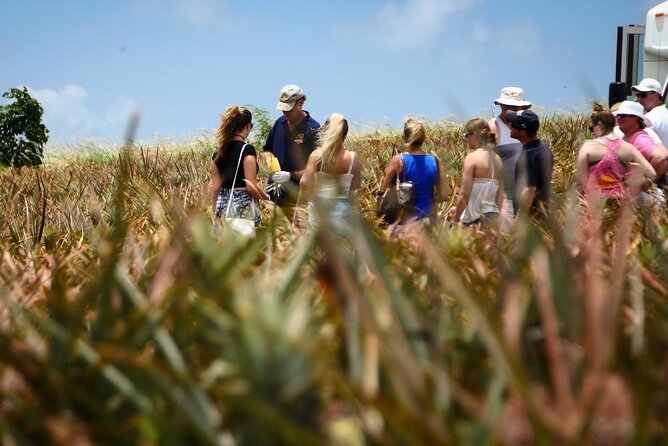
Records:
x=604, y=163
x=631, y=121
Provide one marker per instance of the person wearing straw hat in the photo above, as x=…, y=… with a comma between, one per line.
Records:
x=632, y=120
x=648, y=94
x=291, y=140
x=507, y=147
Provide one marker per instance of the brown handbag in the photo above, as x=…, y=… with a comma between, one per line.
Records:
x=398, y=200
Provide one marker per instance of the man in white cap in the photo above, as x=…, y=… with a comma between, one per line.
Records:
x=507, y=147
x=648, y=93
x=291, y=140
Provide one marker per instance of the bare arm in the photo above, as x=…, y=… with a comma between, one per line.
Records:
x=582, y=165
x=659, y=160
x=391, y=172
x=527, y=195
x=494, y=128
x=630, y=155
x=467, y=186
x=500, y=194
x=357, y=176
x=441, y=187
x=215, y=185
x=306, y=181
x=250, y=177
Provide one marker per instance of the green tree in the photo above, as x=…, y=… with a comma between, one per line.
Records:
x=262, y=125
x=22, y=134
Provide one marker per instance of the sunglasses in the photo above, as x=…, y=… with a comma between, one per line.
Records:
x=623, y=116
x=642, y=95
x=467, y=134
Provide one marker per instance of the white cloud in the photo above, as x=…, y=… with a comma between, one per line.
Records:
x=198, y=12
x=521, y=42
x=413, y=23
x=480, y=32
x=68, y=117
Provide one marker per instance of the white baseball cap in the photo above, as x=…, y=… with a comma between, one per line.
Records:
x=648, y=84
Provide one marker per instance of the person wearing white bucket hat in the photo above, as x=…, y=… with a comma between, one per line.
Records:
x=632, y=121
x=508, y=148
x=648, y=94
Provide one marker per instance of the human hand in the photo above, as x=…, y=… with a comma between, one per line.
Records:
x=281, y=177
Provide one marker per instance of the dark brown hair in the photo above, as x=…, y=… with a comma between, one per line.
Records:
x=233, y=120
x=602, y=116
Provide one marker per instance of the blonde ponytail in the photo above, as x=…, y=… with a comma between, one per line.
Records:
x=331, y=137
x=414, y=133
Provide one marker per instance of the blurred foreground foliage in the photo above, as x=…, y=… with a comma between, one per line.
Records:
x=129, y=317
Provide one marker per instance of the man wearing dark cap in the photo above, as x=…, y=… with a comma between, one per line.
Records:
x=533, y=173
x=291, y=140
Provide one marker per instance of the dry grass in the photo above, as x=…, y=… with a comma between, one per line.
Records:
x=127, y=317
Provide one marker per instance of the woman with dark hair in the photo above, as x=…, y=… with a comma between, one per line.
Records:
x=604, y=163
x=481, y=195
x=234, y=159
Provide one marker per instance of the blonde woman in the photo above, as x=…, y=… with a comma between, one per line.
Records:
x=233, y=157
x=481, y=194
x=333, y=174
x=418, y=167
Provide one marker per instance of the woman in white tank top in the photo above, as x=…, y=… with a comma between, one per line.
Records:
x=481, y=194
x=332, y=175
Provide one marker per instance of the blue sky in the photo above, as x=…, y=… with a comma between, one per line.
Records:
x=91, y=62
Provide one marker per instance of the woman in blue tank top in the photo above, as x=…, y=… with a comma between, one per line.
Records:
x=418, y=167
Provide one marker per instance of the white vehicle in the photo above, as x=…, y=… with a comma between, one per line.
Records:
x=642, y=51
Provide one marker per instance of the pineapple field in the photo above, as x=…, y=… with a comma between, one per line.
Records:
x=129, y=316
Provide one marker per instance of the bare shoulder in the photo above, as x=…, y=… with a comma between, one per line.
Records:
x=357, y=159
x=592, y=144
